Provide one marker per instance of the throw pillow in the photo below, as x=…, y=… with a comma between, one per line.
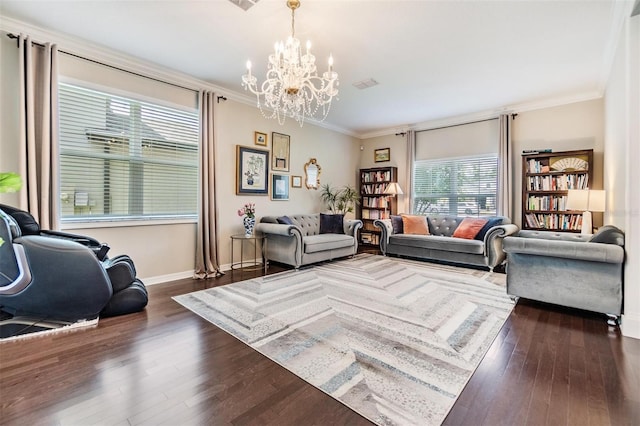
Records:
x=416, y=225
x=396, y=224
x=491, y=222
x=469, y=228
x=608, y=234
x=331, y=223
x=285, y=220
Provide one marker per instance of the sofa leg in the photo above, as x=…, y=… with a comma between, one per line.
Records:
x=613, y=320
x=514, y=298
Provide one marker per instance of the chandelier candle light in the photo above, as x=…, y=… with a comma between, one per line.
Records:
x=292, y=87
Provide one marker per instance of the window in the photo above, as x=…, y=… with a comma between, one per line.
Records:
x=458, y=186
x=125, y=159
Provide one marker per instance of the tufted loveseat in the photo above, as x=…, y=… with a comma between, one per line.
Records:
x=440, y=245
x=302, y=242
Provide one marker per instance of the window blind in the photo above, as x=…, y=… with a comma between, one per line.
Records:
x=122, y=158
x=458, y=186
x=456, y=169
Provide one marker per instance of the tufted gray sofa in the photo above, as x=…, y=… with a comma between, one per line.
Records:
x=442, y=246
x=574, y=270
x=302, y=243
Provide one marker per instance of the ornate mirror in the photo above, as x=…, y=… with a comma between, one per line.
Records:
x=312, y=174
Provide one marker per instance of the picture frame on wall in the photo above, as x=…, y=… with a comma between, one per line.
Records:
x=296, y=181
x=280, y=144
x=381, y=155
x=260, y=138
x=279, y=187
x=252, y=167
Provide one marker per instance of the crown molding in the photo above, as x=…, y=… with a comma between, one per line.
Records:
x=488, y=114
x=103, y=54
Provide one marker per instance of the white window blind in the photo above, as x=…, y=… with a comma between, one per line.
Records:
x=456, y=169
x=457, y=186
x=125, y=159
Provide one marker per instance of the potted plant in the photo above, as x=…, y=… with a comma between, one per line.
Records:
x=339, y=200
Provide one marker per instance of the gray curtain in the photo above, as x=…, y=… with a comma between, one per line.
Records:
x=207, y=230
x=38, y=67
x=411, y=157
x=505, y=167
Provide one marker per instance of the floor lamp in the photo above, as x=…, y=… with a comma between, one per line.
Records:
x=588, y=200
x=392, y=190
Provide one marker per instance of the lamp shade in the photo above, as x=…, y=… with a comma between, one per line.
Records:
x=393, y=189
x=597, y=200
x=578, y=199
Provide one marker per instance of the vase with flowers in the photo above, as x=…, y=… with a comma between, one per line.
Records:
x=249, y=219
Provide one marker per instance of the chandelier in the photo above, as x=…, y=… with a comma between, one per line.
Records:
x=292, y=87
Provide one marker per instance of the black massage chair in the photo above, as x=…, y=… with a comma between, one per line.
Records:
x=61, y=277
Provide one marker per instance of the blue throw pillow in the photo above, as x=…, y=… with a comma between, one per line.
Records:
x=491, y=222
x=285, y=220
x=331, y=223
x=396, y=224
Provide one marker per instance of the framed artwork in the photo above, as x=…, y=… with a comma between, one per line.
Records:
x=380, y=155
x=296, y=181
x=260, y=138
x=252, y=166
x=279, y=187
x=280, y=152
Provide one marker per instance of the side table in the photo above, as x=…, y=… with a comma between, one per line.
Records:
x=255, y=239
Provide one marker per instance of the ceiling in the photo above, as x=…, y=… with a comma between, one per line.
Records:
x=432, y=59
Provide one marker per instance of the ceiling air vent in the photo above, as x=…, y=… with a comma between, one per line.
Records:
x=364, y=84
x=244, y=4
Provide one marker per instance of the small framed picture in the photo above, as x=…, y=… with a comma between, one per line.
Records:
x=383, y=154
x=296, y=181
x=279, y=187
x=260, y=138
x=279, y=152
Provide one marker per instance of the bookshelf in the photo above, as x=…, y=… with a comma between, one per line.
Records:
x=546, y=179
x=374, y=204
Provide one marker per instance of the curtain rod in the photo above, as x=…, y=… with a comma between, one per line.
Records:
x=513, y=116
x=13, y=36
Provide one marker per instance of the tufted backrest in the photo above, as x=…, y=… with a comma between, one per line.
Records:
x=309, y=224
x=553, y=235
x=445, y=226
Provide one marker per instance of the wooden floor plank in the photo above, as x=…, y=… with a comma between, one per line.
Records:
x=166, y=365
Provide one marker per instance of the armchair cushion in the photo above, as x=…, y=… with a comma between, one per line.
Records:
x=331, y=223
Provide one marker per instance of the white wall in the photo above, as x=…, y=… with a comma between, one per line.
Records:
x=398, y=151
x=568, y=127
x=622, y=147
x=167, y=251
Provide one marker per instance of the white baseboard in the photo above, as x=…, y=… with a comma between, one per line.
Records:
x=630, y=325
x=189, y=274
x=166, y=278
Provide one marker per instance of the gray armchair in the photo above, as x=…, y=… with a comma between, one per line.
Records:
x=573, y=270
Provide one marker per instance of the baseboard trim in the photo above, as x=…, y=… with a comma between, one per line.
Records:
x=160, y=279
x=630, y=325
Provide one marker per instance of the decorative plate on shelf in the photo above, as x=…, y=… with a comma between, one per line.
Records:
x=569, y=164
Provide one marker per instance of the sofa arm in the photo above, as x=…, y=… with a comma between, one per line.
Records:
x=351, y=226
x=386, y=229
x=279, y=229
x=493, y=242
x=592, y=252
x=284, y=242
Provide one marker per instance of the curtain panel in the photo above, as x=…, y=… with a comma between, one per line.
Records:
x=38, y=161
x=505, y=167
x=207, y=229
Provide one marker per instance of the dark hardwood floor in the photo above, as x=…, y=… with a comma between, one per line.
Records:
x=168, y=366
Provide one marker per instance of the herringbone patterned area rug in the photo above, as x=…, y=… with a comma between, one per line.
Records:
x=395, y=340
